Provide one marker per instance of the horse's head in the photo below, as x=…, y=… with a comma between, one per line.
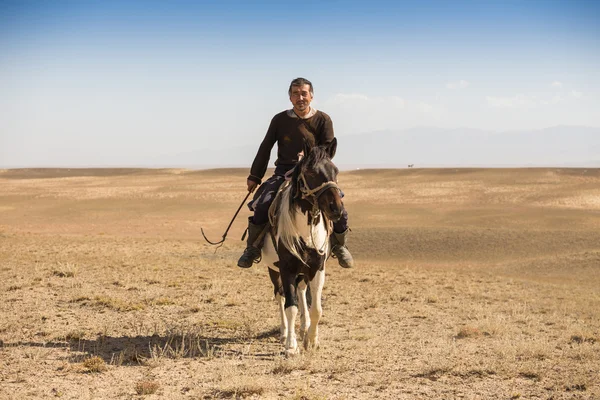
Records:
x=316, y=180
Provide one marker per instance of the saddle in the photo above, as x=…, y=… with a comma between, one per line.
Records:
x=275, y=206
x=271, y=227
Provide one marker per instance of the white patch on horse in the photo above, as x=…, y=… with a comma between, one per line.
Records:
x=293, y=226
x=287, y=230
x=269, y=253
x=311, y=341
x=318, y=237
x=304, y=317
x=284, y=325
x=291, y=346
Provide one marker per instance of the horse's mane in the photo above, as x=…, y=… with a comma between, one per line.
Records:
x=286, y=229
x=316, y=155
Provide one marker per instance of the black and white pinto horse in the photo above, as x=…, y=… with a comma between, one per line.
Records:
x=296, y=250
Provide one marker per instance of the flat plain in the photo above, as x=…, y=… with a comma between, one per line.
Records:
x=470, y=284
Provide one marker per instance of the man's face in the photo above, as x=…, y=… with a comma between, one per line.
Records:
x=301, y=98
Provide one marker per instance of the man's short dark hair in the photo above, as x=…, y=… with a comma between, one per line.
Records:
x=300, y=82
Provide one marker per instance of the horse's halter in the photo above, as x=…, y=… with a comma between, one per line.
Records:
x=312, y=195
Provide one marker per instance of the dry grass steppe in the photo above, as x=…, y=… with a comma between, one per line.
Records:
x=470, y=284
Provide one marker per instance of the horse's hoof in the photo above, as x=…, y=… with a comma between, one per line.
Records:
x=303, y=334
x=292, y=352
x=310, y=345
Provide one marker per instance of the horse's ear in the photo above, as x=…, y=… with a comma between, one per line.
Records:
x=331, y=148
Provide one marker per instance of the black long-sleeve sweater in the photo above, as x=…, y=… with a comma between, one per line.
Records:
x=290, y=133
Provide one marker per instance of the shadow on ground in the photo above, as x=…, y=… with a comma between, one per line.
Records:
x=134, y=350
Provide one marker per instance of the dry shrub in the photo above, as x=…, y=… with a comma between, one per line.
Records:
x=236, y=384
x=79, y=299
x=284, y=367
x=238, y=392
x=146, y=387
x=117, y=304
x=66, y=270
x=75, y=335
x=579, y=387
x=287, y=366
x=468, y=332
x=580, y=338
x=305, y=396
x=433, y=373
x=529, y=374
x=186, y=344
x=162, y=301
x=94, y=364
x=129, y=355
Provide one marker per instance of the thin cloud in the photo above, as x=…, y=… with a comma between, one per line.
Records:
x=344, y=97
x=557, y=84
x=576, y=94
x=517, y=101
x=356, y=98
x=462, y=84
x=359, y=113
x=525, y=101
x=554, y=100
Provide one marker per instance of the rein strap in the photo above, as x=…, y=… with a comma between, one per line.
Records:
x=307, y=192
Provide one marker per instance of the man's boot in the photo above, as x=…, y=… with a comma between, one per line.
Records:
x=339, y=249
x=252, y=252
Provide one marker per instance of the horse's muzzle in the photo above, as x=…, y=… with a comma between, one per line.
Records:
x=331, y=204
x=335, y=214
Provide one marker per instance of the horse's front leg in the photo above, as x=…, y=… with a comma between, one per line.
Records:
x=291, y=310
x=283, y=327
x=316, y=310
x=304, y=317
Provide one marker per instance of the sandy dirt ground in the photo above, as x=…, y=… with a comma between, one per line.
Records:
x=470, y=284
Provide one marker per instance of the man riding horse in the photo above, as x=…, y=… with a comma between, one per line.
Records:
x=291, y=129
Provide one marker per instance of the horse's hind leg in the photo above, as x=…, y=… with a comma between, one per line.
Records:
x=291, y=309
x=280, y=299
x=316, y=310
x=304, y=317
x=283, y=328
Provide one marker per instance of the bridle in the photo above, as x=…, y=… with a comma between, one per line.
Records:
x=312, y=196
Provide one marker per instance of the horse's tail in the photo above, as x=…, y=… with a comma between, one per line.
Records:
x=286, y=226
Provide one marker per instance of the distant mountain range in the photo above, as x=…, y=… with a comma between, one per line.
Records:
x=560, y=146
x=557, y=146
x=567, y=146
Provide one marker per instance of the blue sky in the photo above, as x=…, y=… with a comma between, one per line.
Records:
x=123, y=82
